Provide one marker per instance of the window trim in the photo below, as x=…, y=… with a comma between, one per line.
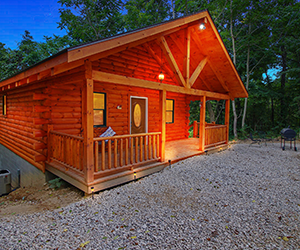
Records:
x=104, y=110
x=171, y=110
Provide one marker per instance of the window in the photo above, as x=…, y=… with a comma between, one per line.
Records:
x=170, y=111
x=99, y=109
x=4, y=105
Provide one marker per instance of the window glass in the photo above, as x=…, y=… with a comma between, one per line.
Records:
x=99, y=99
x=170, y=111
x=99, y=109
x=4, y=105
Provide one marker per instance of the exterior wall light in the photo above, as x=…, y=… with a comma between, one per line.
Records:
x=202, y=26
x=161, y=76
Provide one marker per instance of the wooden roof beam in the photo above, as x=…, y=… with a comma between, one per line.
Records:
x=130, y=81
x=171, y=60
x=197, y=71
x=159, y=60
x=189, y=62
x=187, y=56
x=215, y=71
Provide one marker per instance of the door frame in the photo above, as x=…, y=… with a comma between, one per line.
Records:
x=146, y=111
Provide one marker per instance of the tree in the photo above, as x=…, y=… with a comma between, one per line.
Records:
x=90, y=20
x=141, y=13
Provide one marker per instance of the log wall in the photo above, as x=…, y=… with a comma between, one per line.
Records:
x=178, y=129
x=29, y=111
x=119, y=119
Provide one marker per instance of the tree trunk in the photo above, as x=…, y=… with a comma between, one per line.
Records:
x=282, y=87
x=173, y=9
x=272, y=112
x=247, y=85
x=212, y=117
x=234, y=61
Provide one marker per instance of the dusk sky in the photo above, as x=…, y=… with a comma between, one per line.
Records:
x=39, y=17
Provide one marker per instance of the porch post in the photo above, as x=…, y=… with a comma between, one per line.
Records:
x=202, y=123
x=162, y=110
x=227, y=109
x=88, y=123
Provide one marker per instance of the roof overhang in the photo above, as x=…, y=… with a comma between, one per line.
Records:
x=74, y=57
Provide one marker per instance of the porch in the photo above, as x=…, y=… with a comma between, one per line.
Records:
x=123, y=158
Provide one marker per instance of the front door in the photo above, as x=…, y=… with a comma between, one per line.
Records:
x=138, y=115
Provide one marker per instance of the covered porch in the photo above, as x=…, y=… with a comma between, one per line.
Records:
x=123, y=158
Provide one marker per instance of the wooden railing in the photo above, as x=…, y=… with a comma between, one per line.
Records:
x=215, y=135
x=125, y=150
x=65, y=149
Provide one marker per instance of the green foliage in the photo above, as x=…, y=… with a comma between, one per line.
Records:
x=90, y=20
x=141, y=13
x=56, y=183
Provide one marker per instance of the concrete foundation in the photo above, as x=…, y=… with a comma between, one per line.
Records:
x=30, y=175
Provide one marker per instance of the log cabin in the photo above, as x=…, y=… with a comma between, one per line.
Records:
x=139, y=84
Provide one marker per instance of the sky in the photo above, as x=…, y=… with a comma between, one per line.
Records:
x=39, y=17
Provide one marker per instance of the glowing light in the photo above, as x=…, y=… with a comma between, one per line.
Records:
x=202, y=26
x=161, y=76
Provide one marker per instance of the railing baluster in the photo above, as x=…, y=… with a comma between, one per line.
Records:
x=71, y=152
x=116, y=153
x=145, y=148
x=102, y=155
x=157, y=145
x=109, y=154
x=154, y=144
x=96, y=149
x=149, y=147
x=136, y=149
x=131, y=150
x=121, y=152
x=126, y=151
x=141, y=148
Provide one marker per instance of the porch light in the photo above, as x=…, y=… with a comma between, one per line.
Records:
x=202, y=26
x=161, y=76
x=92, y=189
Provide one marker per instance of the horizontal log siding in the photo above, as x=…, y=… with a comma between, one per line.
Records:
x=31, y=108
x=65, y=107
x=119, y=119
x=179, y=129
x=134, y=62
x=18, y=127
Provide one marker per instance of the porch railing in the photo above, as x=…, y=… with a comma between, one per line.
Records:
x=66, y=149
x=215, y=135
x=125, y=150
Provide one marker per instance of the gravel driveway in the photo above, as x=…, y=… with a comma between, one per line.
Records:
x=241, y=198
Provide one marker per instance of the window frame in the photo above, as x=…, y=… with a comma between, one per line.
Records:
x=173, y=107
x=104, y=110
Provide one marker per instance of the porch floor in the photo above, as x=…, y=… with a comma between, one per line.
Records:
x=181, y=149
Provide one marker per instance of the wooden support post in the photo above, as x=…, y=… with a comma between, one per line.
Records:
x=227, y=111
x=195, y=125
x=186, y=64
x=88, y=123
x=202, y=123
x=162, y=100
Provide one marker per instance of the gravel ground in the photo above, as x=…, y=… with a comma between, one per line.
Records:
x=241, y=198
